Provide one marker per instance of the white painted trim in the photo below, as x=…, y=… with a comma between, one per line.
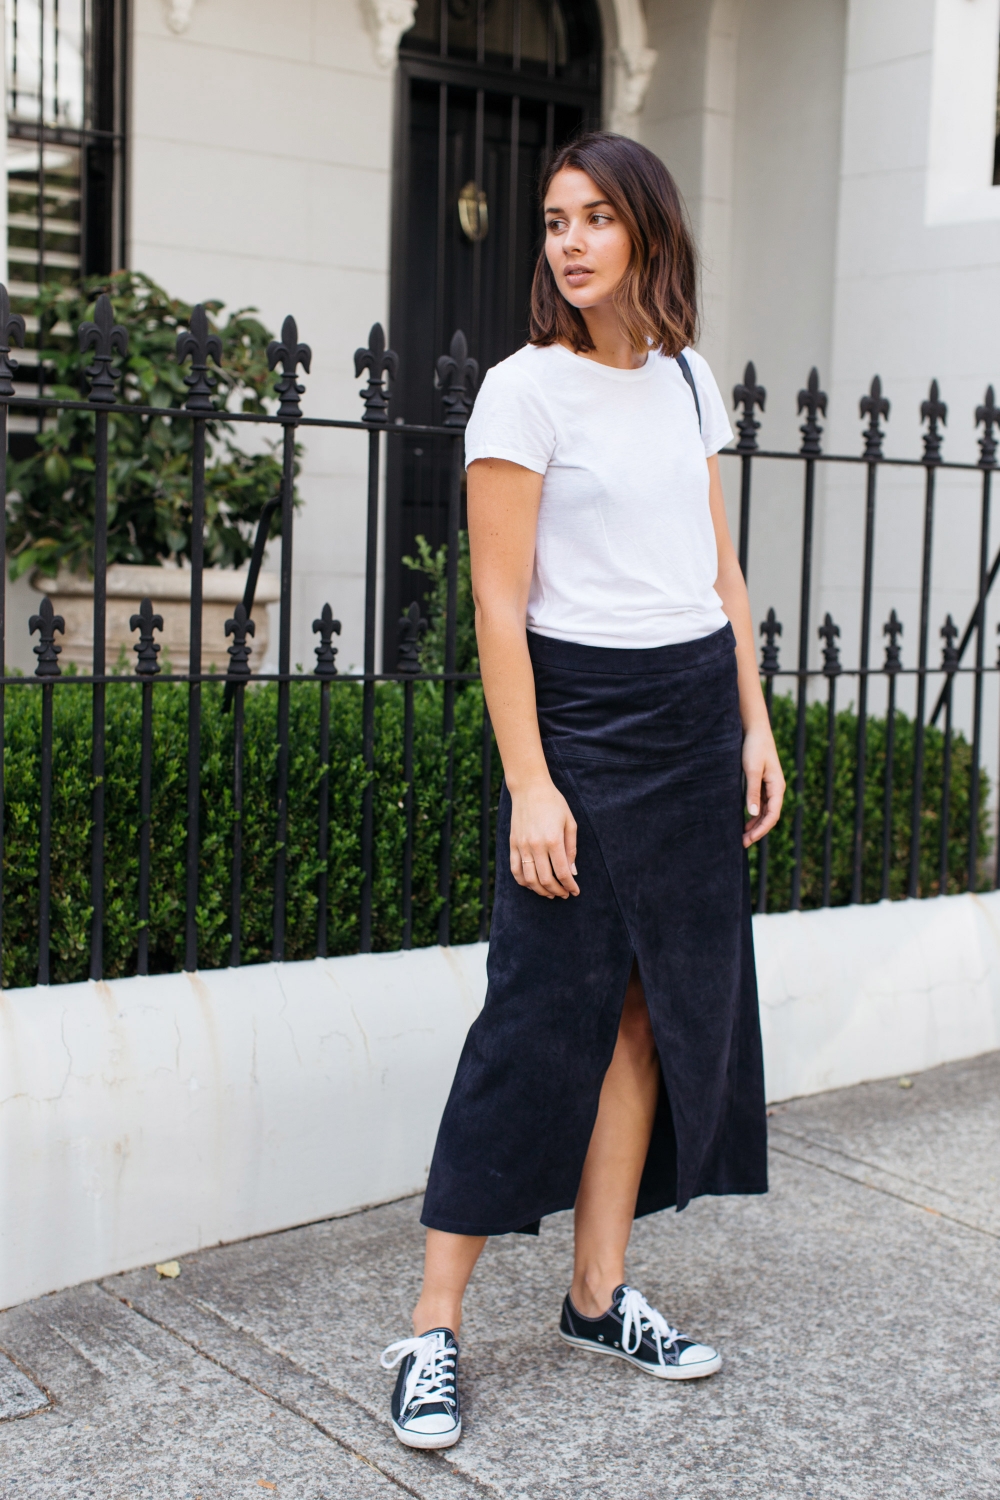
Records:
x=179, y=14
x=629, y=59
x=387, y=20
x=145, y=1118
x=628, y=63
x=963, y=113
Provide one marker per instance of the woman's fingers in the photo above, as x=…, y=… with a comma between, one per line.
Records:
x=771, y=795
x=527, y=872
x=524, y=871
x=545, y=870
x=754, y=775
x=562, y=868
x=543, y=842
x=570, y=838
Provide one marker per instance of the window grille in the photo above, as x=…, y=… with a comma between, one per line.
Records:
x=65, y=152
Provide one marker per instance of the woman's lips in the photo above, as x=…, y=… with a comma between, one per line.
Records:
x=577, y=273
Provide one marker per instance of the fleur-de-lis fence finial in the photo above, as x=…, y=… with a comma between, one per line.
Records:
x=326, y=627
x=289, y=353
x=456, y=375
x=812, y=401
x=949, y=653
x=770, y=629
x=202, y=346
x=873, y=406
x=106, y=338
x=893, y=628
x=46, y=622
x=828, y=633
x=933, y=411
x=379, y=362
x=749, y=395
x=146, y=648
x=411, y=627
x=11, y=332
x=239, y=627
x=987, y=417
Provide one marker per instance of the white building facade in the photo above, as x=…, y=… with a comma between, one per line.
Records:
x=836, y=157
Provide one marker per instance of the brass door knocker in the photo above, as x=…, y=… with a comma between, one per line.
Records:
x=473, y=212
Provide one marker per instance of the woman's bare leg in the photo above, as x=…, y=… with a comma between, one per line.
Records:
x=449, y=1261
x=605, y=1203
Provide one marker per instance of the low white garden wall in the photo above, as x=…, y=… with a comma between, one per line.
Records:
x=144, y=1118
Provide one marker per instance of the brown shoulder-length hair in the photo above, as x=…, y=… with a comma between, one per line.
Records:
x=657, y=297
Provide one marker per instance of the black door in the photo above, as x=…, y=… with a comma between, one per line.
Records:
x=487, y=89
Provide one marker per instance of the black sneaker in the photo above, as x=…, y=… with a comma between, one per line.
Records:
x=633, y=1330
x=425, y=1402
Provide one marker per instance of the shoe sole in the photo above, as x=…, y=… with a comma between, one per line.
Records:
x=658, y=1372
x=427, y=1439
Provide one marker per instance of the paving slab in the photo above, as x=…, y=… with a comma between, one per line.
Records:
x=855, y=1306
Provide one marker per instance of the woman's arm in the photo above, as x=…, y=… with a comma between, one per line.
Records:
x=765, y=783
x=503, y=501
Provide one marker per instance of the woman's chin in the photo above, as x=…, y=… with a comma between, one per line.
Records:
x=584, y=298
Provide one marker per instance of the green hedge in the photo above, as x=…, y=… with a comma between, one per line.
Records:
x=780, y=843
x=71, y=821
x=71, y=908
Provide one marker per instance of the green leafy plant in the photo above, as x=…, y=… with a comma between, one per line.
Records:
x=51, y=491
x=434, y=566
x=71, y=909
x=781, y=851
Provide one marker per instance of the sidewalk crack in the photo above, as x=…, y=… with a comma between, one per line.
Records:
x=290, y=1406
x=886, y=1192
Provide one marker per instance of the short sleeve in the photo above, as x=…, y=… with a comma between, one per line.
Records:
x=510, y=420
x=715, y=429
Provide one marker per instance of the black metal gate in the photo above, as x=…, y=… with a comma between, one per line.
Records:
x=486, y=89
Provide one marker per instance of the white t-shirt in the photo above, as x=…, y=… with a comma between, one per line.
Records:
x=625, y=550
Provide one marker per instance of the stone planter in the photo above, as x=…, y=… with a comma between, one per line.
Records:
x=170, y=590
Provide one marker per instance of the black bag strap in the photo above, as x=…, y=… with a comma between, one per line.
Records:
x=685, y=369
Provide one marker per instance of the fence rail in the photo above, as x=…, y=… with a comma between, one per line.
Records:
x=456, y=376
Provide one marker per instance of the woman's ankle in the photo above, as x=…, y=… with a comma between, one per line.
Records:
x=436, y=1312
x=592, y=1291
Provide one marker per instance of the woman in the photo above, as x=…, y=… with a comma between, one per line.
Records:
x=616, y=1066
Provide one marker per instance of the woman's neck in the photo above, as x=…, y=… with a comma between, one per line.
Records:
x=611, y=344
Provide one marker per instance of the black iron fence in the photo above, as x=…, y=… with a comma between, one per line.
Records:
x=748, y=398
x=456, y=376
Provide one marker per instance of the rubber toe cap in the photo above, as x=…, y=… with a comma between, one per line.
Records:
x=698, y=1354
x=431, y=1424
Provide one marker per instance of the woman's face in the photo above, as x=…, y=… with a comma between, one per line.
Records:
x=586, y=244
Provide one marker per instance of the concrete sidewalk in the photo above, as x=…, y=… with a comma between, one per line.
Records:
x=856, y=1308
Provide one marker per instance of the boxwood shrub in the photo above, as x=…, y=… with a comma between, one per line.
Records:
x=71, y=821
x=71, y=909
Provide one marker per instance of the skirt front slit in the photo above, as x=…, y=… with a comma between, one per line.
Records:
x=646, y=747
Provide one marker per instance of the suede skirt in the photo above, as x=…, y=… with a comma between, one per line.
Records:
x=646, y=747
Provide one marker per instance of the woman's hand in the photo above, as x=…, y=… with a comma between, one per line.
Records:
x=543, y=841
x=765, y=783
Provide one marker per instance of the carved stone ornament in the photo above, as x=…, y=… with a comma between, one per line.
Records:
x=387, y=20
x=633, y=70
x=179, y=14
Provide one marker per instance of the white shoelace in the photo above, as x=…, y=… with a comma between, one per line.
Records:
x=432, y=1374
x=636, y=1315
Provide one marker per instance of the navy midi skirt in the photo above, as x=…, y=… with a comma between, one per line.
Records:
x=646, y=747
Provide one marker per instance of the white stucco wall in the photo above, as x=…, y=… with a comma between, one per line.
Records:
x=837, y=157
x=145, y=1118
x=745, y=108
x=260, y=173
x=916, y=296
